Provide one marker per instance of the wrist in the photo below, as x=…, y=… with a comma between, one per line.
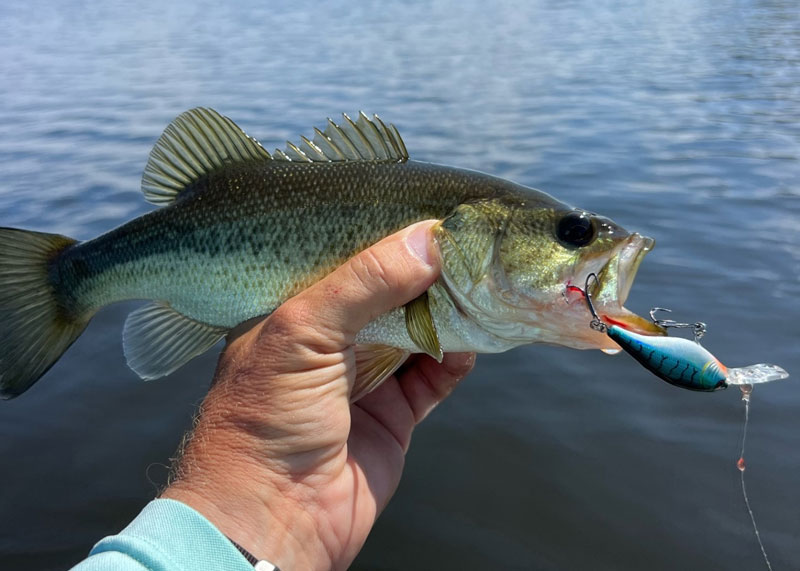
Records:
x=244, y=502
x=258, y=531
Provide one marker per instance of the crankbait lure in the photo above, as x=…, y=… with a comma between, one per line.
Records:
x=681, y=362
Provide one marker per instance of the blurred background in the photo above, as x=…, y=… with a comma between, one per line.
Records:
x=679, y=119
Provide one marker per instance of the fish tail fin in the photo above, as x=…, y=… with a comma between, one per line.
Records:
x=34, y=328
x=753, y=374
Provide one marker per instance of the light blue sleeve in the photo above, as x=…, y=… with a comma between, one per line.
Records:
x=166, y=536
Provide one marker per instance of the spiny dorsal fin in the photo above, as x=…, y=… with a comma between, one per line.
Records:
x=197, y=142
x=362, y=140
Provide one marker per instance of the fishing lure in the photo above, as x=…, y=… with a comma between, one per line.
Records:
x=679, y=361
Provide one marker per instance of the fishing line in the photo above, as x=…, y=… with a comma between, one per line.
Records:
x=746, y=392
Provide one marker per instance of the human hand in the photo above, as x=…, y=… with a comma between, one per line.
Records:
x=280, y=460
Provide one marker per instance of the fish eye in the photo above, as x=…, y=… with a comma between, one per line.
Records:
x=575, y=229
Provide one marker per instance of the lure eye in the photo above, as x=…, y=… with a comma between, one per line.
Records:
x=576, y=229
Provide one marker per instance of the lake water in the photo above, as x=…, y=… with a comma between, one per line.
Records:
x=678, y=119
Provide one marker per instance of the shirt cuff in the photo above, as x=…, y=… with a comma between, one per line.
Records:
x=166, y=536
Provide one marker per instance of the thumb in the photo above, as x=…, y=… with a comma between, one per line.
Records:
x=384, y=276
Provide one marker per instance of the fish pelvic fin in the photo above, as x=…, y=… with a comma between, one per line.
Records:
x=195, y=144
x=374, y=364
x=362, y=140
x=35, y=329
x=158, y=340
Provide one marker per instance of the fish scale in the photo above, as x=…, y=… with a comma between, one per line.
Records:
x=276, y=251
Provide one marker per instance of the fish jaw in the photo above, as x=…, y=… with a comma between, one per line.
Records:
x=613, y=293
x=565, y=319
x=614, y=280
x=609, y=293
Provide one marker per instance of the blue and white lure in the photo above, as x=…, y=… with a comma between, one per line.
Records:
x=681, y=362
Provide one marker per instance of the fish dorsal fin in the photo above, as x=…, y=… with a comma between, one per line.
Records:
x=196, y=143
x=374, y=364
x=362, y=140
x=157, y=339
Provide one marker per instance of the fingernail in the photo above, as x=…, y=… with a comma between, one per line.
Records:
x=419, y=242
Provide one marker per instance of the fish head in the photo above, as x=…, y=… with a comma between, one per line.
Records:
x=518, y=269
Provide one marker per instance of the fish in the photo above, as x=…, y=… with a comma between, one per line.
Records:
x=240, y=230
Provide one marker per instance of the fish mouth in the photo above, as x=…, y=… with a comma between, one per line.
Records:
x=613, y=285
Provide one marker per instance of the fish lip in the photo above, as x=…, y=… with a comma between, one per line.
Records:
x=609, y=300
x=630, y=258
x=615, y=277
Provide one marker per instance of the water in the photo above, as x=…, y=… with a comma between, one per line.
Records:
x=680, y=119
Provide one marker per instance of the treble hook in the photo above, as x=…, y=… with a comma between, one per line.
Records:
x=699, y=328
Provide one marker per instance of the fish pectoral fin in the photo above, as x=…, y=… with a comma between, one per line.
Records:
x=420, y=326
x=157, y=339
x=195, y=144
x=374, y=364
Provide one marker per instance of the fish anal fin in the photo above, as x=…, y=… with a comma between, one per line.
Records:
x=420, y=326
x=157, y=339
x=195, y=144
x=374, y=364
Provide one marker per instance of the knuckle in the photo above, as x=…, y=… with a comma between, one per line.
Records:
x=279, y=324
x=295, y=328
x=289, y=321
